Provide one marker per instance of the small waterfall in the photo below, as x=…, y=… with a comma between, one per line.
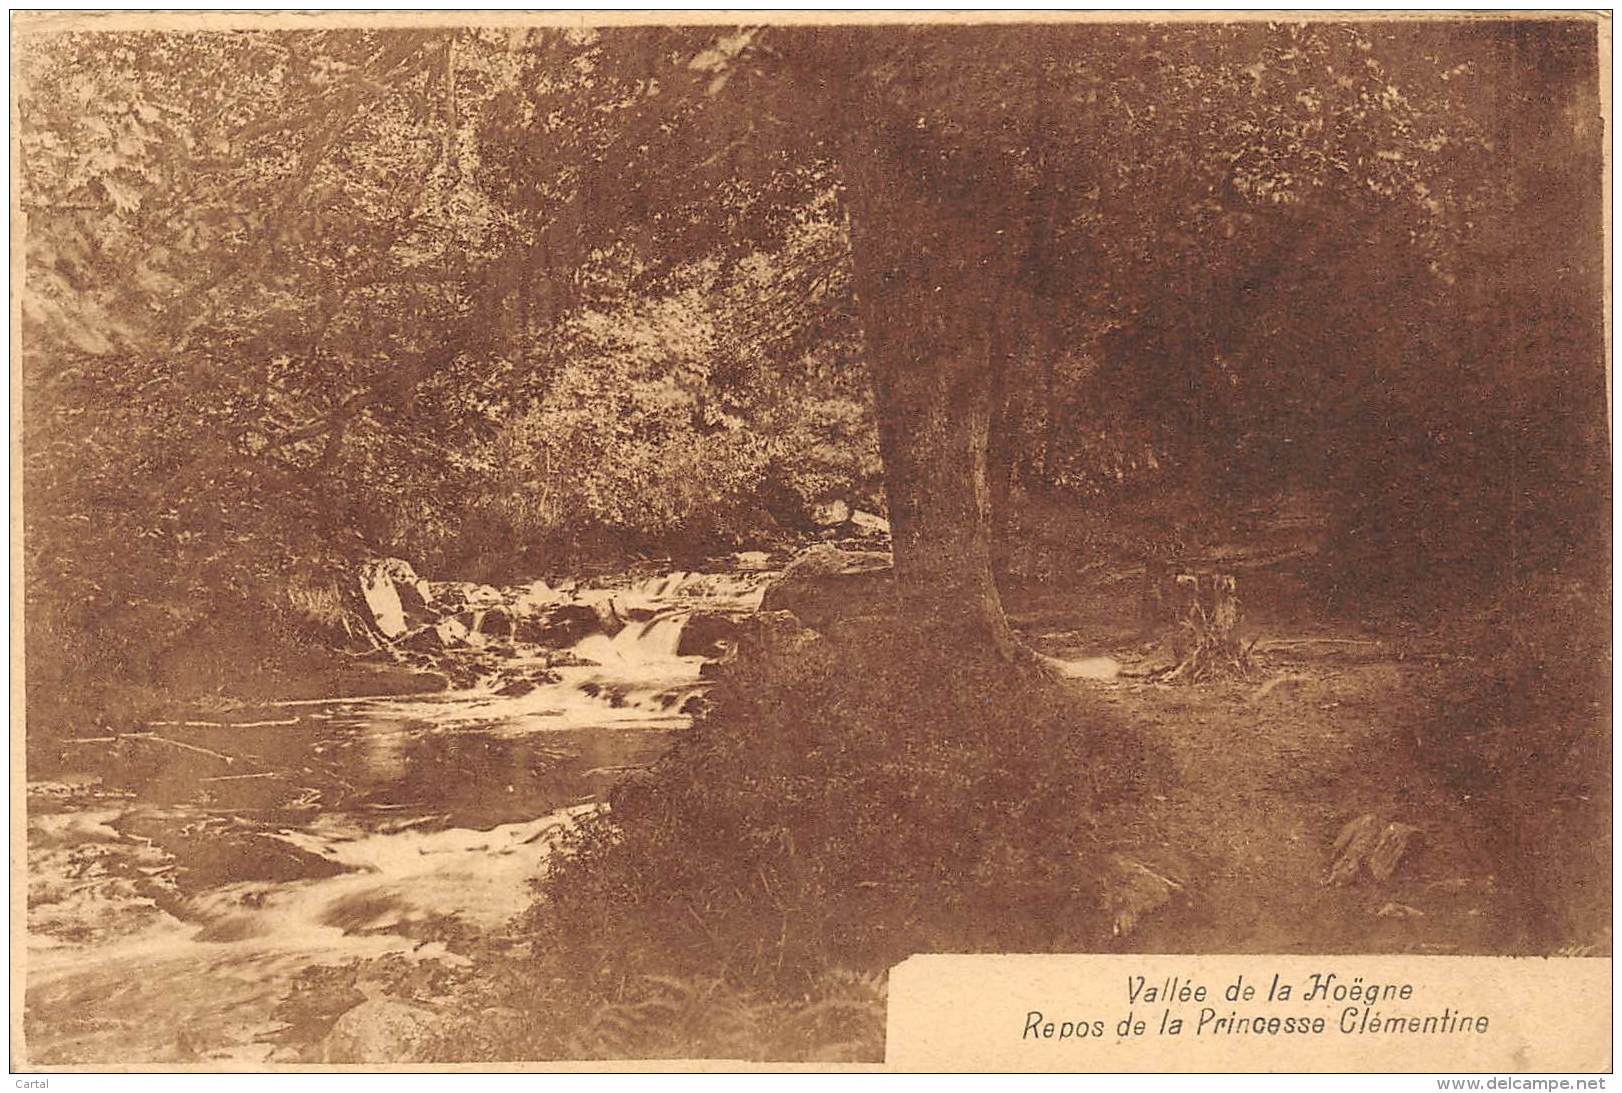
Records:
x=640, y=643
x=661, y=637
x=738, y=591
x=598, y=647
x=662, y=587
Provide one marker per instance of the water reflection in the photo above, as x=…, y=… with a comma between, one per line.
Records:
x=218, y=860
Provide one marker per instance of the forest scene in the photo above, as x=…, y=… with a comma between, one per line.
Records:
x=595, y=543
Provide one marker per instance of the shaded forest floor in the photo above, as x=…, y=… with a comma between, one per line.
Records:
x=1333, y=723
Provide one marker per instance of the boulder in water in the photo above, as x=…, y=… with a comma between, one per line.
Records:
x=764, y=638
x=496, y=622
x=567, y=624
x=394, y=593
x=822, y=560
x=824, y=584
x=527, y=682
x=827, y=514
x=221, y=850
x=463, y=595
x=866, y=523
x=449, y=595
x=535, y=598
x=752, y=561
x=484, y=595
x=707, y=634
x=529, y=629
x=424, y=639
x=384, y=603
x=382, y=1030
x=454, y=631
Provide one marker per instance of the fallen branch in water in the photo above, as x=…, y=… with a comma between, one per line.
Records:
x=407, y=825
x=323, y=772
x=227, y=724
x=286, y=703
x=156, y=739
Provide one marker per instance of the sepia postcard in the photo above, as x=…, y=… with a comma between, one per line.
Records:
x=845, y=541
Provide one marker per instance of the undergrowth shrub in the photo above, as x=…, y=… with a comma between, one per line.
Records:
x=847, y=800
x=1531, y=677
x=1519, y=724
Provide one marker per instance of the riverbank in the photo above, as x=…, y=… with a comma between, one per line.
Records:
x=186, y=870
x=824, y=816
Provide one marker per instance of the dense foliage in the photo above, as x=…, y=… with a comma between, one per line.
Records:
x=476, y=296
x=284, y=308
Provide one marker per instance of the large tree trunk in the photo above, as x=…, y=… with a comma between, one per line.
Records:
x=1050, y=415
x=934, y=428
x=1007, y=421
x=931, y=277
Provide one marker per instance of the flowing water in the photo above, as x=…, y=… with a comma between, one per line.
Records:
x=182, y=879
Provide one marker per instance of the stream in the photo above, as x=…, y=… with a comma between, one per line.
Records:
x=181, y=877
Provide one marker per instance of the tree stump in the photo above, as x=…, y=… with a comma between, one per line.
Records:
x=1198, y=616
